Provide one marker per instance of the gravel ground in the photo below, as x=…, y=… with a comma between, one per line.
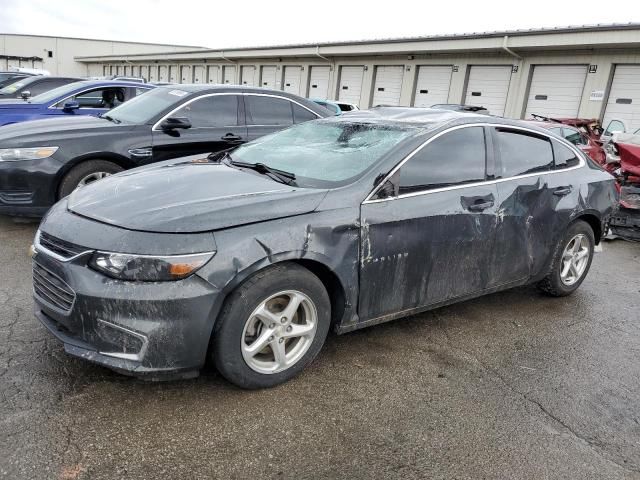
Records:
x=512, y=385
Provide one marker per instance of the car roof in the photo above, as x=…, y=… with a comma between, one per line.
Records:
x=428, y=118
x=114, y=83
x=199, y=88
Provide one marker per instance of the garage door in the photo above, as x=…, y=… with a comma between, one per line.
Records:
x=173, y=74
x=163, y=73
x=213, y=74
x=153, y=73
x=388, y=85
x=432, y=85
x=292, y=76
x=229, y=74
x=268, y=77
x=624, y=98
x=350, y=84
x=488, y=87
x=319, y=82
x=198, y=74
x=185, y=74
x=248, y=73
x=556, y=90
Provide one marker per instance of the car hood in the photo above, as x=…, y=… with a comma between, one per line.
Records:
x=47, y=131
x=190, y=196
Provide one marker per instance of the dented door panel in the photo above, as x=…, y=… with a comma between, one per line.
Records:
x=425, y=249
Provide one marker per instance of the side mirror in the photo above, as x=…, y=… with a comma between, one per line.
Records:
x=70, y=106
x=26, y=94
x=174, y=123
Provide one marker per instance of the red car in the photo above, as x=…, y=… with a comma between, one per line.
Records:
x=575, y=131
x=625, y=150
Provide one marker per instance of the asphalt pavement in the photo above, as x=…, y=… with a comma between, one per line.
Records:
x=514, y=385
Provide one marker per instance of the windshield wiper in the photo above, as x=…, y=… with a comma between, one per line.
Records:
x=110, y=118
x=281, y=176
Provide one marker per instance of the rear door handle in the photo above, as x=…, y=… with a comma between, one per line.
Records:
x=562, y=191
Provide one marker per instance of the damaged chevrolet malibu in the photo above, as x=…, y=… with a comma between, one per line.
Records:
x=247, y=258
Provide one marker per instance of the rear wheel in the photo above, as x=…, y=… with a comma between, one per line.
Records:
x=271, y=327
x=571, y=261
x=86, y=173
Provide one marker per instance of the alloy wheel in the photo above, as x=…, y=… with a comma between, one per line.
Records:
x=279, y=332
x=92, y=177
x=575, y=259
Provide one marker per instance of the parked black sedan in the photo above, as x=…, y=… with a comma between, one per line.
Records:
x=43, y=161
x=251, y=255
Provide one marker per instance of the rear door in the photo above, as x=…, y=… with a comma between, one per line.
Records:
x=428, y=239
x=267, y=114
x=217, y=124
x=524, y=160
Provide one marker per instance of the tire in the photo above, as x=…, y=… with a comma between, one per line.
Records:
x=557, y=285
x=91, y=167
x=238, y=328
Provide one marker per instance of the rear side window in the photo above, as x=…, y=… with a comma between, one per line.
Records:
x=522, y=153
x=564, y=156
x=268, y=111
x=575, y=137
x=214, y=111
x=455, y=158
x=301, y=114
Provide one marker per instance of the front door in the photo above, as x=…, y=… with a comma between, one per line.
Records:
x=216, y=124
x=428, y=235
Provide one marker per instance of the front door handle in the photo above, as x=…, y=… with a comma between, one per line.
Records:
x=477, y=204
x=562, y=191
x=232, y=138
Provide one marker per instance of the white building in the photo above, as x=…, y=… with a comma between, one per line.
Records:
x=57, y=54
x=586, y=71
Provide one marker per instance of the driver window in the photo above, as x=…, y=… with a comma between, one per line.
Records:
x=107, y=98
x=455, y=158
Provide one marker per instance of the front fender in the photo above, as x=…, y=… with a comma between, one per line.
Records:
x=329, y=239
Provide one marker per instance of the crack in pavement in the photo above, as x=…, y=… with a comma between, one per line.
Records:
x=593, y=445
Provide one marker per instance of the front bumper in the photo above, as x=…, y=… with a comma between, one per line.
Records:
x=27, y=188
x=140, y=328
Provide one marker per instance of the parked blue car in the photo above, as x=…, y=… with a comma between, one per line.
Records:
x=91, y=97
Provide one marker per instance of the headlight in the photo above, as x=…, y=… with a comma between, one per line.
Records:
x=148, y=268
x=32, y=153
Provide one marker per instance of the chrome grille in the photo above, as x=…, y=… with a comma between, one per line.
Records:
x=52, y=289
x=62, y=248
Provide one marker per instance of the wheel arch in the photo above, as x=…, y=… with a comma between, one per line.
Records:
x=593, y=220
x=317, y=264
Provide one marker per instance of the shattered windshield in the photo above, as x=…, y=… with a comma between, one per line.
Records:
x=323, y=154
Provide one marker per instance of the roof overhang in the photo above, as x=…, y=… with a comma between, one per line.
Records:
x=566, y=38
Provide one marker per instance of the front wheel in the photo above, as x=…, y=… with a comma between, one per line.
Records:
x=571, y=261
x=86, y=173
x=271, y=327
